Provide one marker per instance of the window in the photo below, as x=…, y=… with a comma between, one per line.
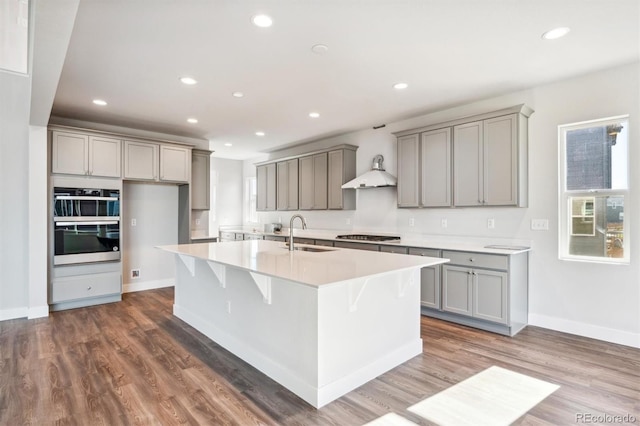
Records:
x=594, y=190
x=14, y=35
x=251, y=197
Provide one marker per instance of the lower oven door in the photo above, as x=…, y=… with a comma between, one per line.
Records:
x=86, y=241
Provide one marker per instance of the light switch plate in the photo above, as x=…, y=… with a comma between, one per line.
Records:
x=540, y=224
x=491, y=223
x=443, y=223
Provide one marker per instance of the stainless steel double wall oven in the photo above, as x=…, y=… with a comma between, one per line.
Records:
x=86, y=225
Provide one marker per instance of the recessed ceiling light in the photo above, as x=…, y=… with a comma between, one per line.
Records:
x=237, y=94
x=314, y=114
x=99, y=102
x=192, y=120
x=262, y=21
x=228, y=144
x=400, y=86
x=260, y=133
x=320, y=49
x=188, y=80
x=556, y=33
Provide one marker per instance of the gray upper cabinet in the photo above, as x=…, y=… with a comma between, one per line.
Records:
x=200, y=180
x=435, y=168
x=342, y=168
x=473, y=161
x=141, y=160
x=287, y=184
x=175, y=163
x=82, y=154
x=313, y=182
x=156, y=162
x=408, y=171
x=468, y=164
x=266, y=187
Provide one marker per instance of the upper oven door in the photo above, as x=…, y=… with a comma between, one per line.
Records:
x=96, y=204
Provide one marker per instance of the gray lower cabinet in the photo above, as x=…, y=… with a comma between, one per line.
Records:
x=230, y=236
x=275, y=238
x=325, y=243
x=74, y=286
x=357, y=246
x=253, y=237
x=483, y=290
x=429, y=279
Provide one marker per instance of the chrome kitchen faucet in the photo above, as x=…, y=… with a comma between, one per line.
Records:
x=304, y=226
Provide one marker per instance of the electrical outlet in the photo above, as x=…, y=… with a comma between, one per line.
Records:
x=133, y=222
x=491, y=223
x=540, y=224
x=135, y=273
x=228, y=306
x=412, y=221
x=443, y=223
x=197, y=221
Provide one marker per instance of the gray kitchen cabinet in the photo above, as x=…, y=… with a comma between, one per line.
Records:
x=490, y=295
x=200, y=179
x=230, y=236
x=325, y=243
x=275, y=238
x=313, y=182
x=457, y=290
x=175, y=163
x=342, y=169
x=287, y=184
x=253, y=237
x=472, y=161
x=84, y=154
x=429, y=279
x=435, y=168
x=486, y=162
x=266, y=187
x=357, y=246
x=156, y=162
x=408, y=171
x=395, y=249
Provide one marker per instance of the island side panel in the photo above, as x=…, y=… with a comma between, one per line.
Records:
x=367, y=326
x=279, y=339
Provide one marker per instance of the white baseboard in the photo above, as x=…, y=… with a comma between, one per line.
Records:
x=147, y=285
x=38, y=312
x=586, y=330
x=7, y=314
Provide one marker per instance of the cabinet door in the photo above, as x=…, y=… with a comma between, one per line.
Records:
x=266, y=187
x=335, y=179
x=435, y=179
x=457, y=290
x=104, y=156
x=500, y=161
x=430, y=287
x=200, y=175
x=408, y=171
x=271, y=186
x=287, y=185
x=490, y=295
x=69, y=153
x=175, y=163
x=305, y=183
x=468, y=164
x=140, y=160
x=320, y=181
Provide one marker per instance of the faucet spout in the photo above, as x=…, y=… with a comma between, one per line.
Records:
x=304, y=226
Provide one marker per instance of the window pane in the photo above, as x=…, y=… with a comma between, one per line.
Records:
x=597, y=226
x=596, y=157
x=14, y=31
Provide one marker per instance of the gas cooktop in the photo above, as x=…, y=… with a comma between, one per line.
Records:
x=366, y=237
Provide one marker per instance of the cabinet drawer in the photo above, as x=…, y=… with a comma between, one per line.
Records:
x=227, y=236
x=424, y=252
x=297, y=240
x=85, y=286
x=476, y=260
x=274, y=238
x=394, y=249
x=326, y=243
x=357, y=246
x=253, y=237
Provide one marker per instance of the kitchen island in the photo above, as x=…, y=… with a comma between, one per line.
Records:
x=319, y=321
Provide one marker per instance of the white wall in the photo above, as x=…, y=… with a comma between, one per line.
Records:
x=596, y=300
x=155, y=209
x=15, y=93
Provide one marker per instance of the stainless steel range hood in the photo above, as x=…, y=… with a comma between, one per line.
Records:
x=374, y=178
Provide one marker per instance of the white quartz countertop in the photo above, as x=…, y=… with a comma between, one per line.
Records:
x=316, y=269
x=457, y=243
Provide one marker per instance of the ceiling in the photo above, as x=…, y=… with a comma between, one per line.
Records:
x=131, y=54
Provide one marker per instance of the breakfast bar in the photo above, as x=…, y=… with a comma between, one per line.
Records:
x=320, y=321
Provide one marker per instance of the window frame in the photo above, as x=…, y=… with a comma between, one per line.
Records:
x=565, y=209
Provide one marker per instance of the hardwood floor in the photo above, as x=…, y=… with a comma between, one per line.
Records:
x=133, y=362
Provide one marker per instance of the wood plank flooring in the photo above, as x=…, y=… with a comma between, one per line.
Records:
x=134, y=363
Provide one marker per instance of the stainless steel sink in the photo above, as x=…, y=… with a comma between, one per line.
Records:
x=311, y=249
